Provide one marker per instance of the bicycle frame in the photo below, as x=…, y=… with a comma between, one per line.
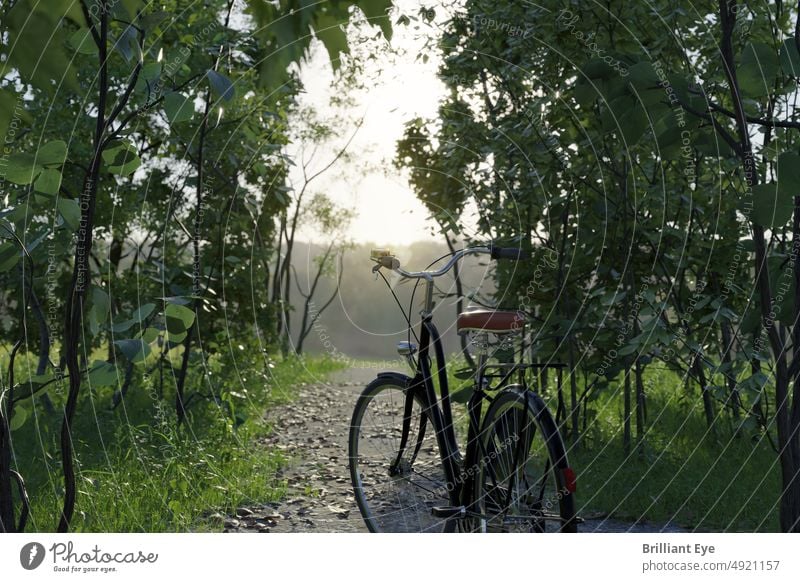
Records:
x=441, y=416
x=437, y=410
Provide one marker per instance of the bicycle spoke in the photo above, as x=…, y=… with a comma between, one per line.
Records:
x=399, y=499
x=513, y=495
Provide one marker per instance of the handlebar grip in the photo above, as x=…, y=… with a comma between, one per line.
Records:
x=511, y=253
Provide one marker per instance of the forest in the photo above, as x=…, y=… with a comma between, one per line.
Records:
x=156, y=297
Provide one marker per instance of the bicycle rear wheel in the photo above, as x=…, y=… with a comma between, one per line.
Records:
x=396, y=496
x=523, y=482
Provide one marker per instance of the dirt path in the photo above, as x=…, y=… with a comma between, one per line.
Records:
x=312, y=432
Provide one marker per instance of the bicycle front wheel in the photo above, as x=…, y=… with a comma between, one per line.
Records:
x=523, y=482
x=394, y=492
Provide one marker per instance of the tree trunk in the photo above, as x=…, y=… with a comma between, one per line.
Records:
x=708, y=401
x=626, y=430
x=44, y=348
x=307, y=325
x=787, y=422
x=73, y=319
x=573, y=397
x=119, y=395
x=734, y=402
x=6, y=408
x=276, y=275
x=460, y=306
x=790, y=499
x=641, y=411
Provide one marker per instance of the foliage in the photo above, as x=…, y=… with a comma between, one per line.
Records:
x=619, y=157
x=143, y=169
x=139, y=472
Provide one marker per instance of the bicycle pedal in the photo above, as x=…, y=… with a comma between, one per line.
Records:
x=454, y=512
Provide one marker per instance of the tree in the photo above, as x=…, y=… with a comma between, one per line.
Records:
x=126, y=76
x=626, y=154
x=319, y=210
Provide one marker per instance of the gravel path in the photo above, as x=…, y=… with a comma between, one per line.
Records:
x=312, y=432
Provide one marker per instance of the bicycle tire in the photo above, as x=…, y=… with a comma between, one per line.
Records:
x=504, y=495
x=401, y=502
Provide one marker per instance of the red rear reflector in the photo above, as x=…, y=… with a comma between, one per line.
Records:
x=570, y=480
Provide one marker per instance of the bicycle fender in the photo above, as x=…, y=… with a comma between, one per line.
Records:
x=540, y=409
x=398, y=376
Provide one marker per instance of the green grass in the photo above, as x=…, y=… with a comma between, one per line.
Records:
x=138, y=472
x=712, y=481
x=682, y=473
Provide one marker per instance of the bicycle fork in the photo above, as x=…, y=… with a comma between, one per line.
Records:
x=441, y=418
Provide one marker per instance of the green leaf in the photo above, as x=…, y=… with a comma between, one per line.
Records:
x=18, y=418
x=136, y=350
x=150, y=334
x=179, y=318
x=707, y=142
x=585, y=94
x=151, y=71
x=121, y=158
x=177, y=300
x=137, y=317
x=122, y=326
x=81, y=40
x=10, y=255
x=103, y=374
x=771, y=207
x=788, y=169
x=13, y=113
x=143, y=312
x=22, y=169
x=71, y=212
x=328, y=29
x=643, y=76
x=99, y=311
x=790, y=58
x=53, y=153
x=220, y=85
x=100, y=303
x=462, y=395
x=377, y=12
x=127, y=8
x=38, y=379
x=148, y=78
x=626, y=116
x=35, y=30
x=175, y=339
x=127, y=44
x=178, y=107
x=48, y=182
x=598, y=69
x=758, y=69
x=150, y=21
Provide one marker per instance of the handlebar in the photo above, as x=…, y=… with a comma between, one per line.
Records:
x=511, y=253
x=384, y=258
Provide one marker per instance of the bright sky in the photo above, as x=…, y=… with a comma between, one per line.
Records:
x=400, y=86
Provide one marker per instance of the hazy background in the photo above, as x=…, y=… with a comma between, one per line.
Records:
x=364, y=321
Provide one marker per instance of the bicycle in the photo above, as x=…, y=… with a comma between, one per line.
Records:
x=406, y=467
